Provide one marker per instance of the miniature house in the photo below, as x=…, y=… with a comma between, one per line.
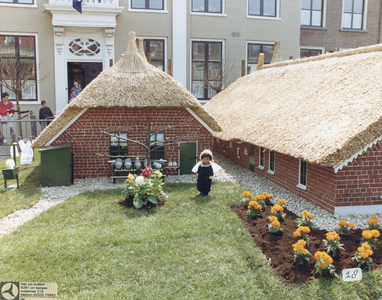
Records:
x=120, y=101
x=312, y=126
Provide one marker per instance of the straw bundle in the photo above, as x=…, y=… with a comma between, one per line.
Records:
x=322, y=109
x=131, y=82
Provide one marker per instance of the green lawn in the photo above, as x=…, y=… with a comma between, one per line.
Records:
x=29, y=191
x=191, y=248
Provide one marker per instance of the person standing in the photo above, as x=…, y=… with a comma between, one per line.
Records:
x=72, y=96
x=45, y=113
x=5, y=107
x=76, y=88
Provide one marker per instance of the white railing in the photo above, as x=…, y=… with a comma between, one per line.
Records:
x=87, y=3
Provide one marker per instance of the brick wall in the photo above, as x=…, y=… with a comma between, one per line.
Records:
x=88, y=141
x=333, y=38
x=359, y=183
x=320, y=188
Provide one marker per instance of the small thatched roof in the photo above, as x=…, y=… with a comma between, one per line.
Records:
x=322, y=109
x=131, y=82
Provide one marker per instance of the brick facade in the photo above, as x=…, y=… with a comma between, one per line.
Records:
x=88, y=141
x=354, y=185
x=332, y=38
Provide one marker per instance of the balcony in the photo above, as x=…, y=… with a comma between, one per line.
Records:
x=95, y=13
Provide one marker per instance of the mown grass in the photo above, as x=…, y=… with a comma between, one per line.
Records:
x=29, y=191
x=190, y=248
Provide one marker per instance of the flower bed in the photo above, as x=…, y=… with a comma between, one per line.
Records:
x=279, y=248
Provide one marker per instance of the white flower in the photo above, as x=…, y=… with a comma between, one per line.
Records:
x=140, y=180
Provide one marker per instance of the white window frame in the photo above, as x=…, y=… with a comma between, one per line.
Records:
x=364, y=17
x=38, y=102
x=246, y=51
x=272, y=172
x=165, y=62
x=260, y=166
x=155, y=11
x=324, y=7
x=299, y=185
x=34, y=5
x=223, y=59
x=313, y=48
x=199, y=13
x=276, y=18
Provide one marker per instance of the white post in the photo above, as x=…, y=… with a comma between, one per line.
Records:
x=179, y=41
x=61, y=72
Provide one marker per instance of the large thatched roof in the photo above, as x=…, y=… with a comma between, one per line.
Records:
x=131, y=82
x=321, y=109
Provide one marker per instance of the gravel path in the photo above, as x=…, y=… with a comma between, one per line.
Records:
x=230, y=172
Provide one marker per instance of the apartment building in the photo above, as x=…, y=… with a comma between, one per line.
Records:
x=334, y=25
x=190, y=39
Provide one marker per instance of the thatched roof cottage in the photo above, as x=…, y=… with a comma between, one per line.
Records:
x=311, y=125
x=120, y=100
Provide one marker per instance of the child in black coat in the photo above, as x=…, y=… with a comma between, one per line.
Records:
x=204, y=172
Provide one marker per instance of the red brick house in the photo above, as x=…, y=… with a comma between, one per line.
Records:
x=312, y=126
x=119, y=101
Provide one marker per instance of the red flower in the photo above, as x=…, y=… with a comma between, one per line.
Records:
x=146, y=172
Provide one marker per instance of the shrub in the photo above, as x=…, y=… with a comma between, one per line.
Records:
x=301, y=234
x=323, y=264
x=371, y=236
x=362, y=256
x=344, y=228
x=275, y=227
x=305, y=220
x=332, y=242
x=301, y=255
x=144, y=188
x=373, y=223
x=253, y=209
x=277, y=211
x=247, y=196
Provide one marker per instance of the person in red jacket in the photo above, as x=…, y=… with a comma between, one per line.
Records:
x=5, y=107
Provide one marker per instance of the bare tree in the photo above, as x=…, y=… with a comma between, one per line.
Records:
x=17, y=74
x=220, y=75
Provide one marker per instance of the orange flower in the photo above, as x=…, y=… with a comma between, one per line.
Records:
x=258, y=197
x=275, y=223
x=327, y=259
x=276, y=207
x=307, y=215
x=373, y=220
x=322, y=265
x=305, y=229
x=351, y=226
x=367, y=234
x=297, y=233
x=332, y=235
x=342, y=223
x=375, y=233
x=254, y=204
x=273, y=218
x=319, y=255
x=282, y=202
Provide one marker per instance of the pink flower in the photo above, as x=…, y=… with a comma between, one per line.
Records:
x=146, y=172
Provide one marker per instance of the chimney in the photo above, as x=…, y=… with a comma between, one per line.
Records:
x=276, y=53
x=261, y=61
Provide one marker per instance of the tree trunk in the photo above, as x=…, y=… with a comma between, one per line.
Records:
x=19, y=115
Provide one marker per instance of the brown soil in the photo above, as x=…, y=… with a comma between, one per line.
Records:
x=128, y=202
x=279, y=248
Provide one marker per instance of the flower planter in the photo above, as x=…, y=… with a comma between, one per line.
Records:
x=11, y=174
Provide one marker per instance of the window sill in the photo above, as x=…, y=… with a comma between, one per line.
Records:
x=264, y=18
x=271, y=172
x=260, y=167
x=20, y=5
x=354, y=30
x=208, y=14
x=313, y=27
x=300, y=186
x=157, y=11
